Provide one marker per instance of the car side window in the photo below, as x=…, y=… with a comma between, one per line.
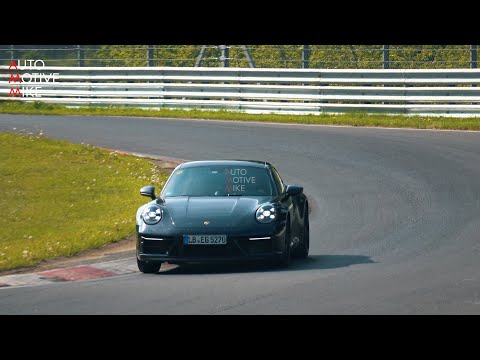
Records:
x=278, y=180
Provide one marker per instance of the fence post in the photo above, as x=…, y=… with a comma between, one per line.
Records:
x=12, y=52
x=305, y=56
x=473, y=56
x=225, y=56
x=386, y=56
x=80, y=55
x=150, y=55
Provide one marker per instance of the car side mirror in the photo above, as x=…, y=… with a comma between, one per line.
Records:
x=148, y=191
x=293, y=190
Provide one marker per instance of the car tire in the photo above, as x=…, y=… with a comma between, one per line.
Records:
x=304, y=246
x=286, y=257
x=147, y=267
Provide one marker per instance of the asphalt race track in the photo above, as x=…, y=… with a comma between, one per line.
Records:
x=395, y=223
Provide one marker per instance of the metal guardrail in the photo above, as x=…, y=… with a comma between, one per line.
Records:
x=453, y=92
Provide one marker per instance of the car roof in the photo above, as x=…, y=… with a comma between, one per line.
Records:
x=253, y=163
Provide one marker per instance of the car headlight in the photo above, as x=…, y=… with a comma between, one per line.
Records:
x=152, y=214
x=266, y=213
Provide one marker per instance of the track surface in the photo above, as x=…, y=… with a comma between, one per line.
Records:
x=395, y=226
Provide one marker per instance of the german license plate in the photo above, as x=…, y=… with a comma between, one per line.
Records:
x=204, y=239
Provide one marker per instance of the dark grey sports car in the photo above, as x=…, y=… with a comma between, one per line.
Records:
x=222, y=211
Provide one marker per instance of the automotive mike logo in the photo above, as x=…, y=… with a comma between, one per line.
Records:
x=25, y=84
x=236, y=179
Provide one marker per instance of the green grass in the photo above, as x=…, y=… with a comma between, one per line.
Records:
x=361, y=119
x=57, y=198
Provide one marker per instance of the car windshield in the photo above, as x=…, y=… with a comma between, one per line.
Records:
x=219, y=180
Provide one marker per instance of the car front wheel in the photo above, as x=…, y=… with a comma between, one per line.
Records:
x=147, y=267
x=304, y=245
x=286, y=257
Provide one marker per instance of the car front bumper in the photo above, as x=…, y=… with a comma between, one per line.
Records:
x=239, y=248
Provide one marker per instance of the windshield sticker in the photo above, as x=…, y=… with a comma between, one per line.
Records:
x=235, y=180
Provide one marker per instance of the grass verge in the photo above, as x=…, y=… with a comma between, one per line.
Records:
x=58, y=198
x=359, y=119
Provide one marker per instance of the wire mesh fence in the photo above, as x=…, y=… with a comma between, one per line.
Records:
x=261, y=56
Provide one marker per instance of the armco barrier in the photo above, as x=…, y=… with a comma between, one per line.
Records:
x=454, y=92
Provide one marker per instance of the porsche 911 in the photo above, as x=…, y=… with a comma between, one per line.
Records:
x=222, y=211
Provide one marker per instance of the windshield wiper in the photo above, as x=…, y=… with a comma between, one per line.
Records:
x=234, y=194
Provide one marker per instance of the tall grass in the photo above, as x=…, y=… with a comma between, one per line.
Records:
x=57, y=198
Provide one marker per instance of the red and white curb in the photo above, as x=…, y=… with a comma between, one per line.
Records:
x=74, y=273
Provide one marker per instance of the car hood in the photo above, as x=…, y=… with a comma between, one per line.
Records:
x=218, y=211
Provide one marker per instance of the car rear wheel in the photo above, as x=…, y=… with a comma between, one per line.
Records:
x=147, y=267
x=304, y=245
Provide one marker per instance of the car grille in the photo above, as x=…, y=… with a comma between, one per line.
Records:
x=211, y=251
x=167, y=246
x=235, y=247
x=252, y=247
x=259, y=246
